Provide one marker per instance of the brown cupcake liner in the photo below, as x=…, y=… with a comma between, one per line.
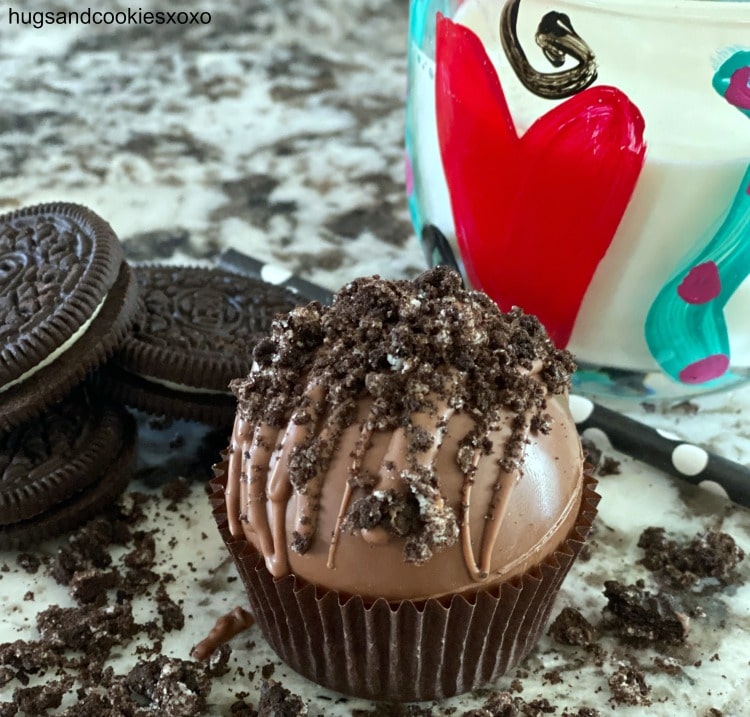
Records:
x=402, y=651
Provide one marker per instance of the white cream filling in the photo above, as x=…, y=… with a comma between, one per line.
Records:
x=182, y=387
x=59, y=351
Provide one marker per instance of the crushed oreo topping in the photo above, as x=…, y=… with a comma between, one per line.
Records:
x=172, y=687
x=609, y=466
x=409, y=346
x=602, y=464
x=37, y=700
x=104, y=564
x=591, y=451
x=504, y=704
x=385, y=709
x=398, y=514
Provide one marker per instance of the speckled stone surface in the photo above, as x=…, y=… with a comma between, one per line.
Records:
x=276, y=130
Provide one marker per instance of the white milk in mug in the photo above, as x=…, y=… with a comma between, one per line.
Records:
x=589, y=161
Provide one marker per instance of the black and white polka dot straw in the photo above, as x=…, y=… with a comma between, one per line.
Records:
x=633, y=438
x=239, y=263
x=663, y=450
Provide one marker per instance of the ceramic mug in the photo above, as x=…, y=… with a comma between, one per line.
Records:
x=589, y=161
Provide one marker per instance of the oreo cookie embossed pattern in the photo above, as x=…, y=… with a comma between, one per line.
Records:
x=197, y=333
x=67, y=299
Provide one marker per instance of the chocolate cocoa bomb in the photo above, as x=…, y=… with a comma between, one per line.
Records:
x=410, y=441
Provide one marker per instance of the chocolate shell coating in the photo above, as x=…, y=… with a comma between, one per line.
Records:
x=410, y=442
x=514, y=519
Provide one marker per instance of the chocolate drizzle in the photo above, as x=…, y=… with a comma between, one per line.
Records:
x=350, y=411
x=501, y=494
x=357, y=478
x=558, y=40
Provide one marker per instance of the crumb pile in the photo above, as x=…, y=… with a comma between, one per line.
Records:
x=712, y=555
x=652, y=623
x=106, y=565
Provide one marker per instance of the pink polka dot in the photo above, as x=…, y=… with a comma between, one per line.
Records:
x=701, y=285
x=409, y=175
x=738, y=92
x=706, y=369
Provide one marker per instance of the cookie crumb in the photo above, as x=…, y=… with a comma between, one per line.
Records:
x=634, y=613
x=175, y=492
x=628, y=687
x=609, y=467
x=571, y=628
x=277, y=701
x=173, y=687
x=712, y=554
x=592, y=453
x=30, y=563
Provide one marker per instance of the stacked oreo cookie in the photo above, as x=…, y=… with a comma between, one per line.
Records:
x=196, y=333
x=81, y=334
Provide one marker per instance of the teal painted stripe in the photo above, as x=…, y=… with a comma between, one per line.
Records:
x=686, y=329
x=680, y=334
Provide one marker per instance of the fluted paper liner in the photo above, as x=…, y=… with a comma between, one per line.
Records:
x=402, y=651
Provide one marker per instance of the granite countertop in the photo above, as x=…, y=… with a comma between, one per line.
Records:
x=277, y=130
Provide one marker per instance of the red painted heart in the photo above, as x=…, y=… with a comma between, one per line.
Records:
x=535, y=214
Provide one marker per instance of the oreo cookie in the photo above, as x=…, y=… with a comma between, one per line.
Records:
x=67, y=299
x=197, y=333
x=62, y=467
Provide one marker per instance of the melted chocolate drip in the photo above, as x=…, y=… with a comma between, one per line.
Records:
x=226, y=627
